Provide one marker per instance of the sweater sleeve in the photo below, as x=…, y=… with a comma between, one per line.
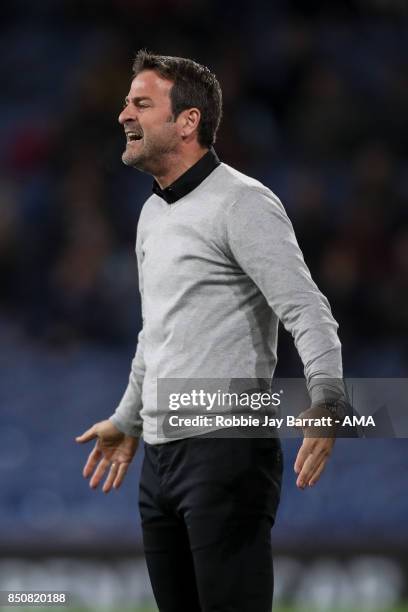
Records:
x=127, y=415
x=263, y=242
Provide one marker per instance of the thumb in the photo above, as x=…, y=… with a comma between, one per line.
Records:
x=90, y=434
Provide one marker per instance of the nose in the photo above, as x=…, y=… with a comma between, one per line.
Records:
x=124, y=115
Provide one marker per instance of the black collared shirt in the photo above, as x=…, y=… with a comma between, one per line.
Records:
x=189, y=180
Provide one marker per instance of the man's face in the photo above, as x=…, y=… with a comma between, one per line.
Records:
x=147, y=119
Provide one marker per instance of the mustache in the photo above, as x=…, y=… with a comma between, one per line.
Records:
x=134, y=130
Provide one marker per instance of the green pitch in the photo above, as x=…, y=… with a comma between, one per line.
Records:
x=402, y=608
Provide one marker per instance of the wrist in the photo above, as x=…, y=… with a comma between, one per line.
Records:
x=336, y=407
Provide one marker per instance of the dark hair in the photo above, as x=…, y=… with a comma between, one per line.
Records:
x=194, y=86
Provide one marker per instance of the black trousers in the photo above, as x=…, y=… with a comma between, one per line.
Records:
x=207, y=507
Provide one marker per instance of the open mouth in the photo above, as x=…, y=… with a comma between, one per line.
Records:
x=131, y=136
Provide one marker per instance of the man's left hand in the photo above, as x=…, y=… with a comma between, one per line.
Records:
x=315, y=451
x=311, y=460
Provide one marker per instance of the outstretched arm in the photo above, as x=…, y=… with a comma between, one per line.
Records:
x=263, y=242
x=127, y=417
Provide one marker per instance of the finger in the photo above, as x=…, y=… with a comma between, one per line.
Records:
x=93, y=459
x=110, y=478
x=98, y=474
x=323, y=451
x=317, y=473
x=307, y=469
x=88, y=435
x=123, y=468
x=304, y=451
x=312, y=463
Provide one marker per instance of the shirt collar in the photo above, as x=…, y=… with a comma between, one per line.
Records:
x=190, y=179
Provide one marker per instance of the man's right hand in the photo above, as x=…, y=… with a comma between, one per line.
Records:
x=113, y=448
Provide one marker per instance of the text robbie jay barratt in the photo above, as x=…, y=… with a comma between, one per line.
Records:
x=251, y=421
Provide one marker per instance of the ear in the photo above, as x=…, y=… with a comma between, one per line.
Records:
x=189, y=120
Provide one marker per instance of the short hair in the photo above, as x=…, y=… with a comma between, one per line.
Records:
x=194, y=85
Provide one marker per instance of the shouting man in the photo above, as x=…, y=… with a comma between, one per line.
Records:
x=219, y=266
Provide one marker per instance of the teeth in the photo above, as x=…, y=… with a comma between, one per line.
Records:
x=133, y=136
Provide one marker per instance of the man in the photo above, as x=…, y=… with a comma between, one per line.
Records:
x=218, y=266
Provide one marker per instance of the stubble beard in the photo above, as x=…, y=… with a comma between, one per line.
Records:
x=152, y=154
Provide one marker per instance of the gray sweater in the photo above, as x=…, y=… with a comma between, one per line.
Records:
x=217, y=270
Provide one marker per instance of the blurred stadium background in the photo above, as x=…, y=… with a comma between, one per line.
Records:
x=315, y=106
